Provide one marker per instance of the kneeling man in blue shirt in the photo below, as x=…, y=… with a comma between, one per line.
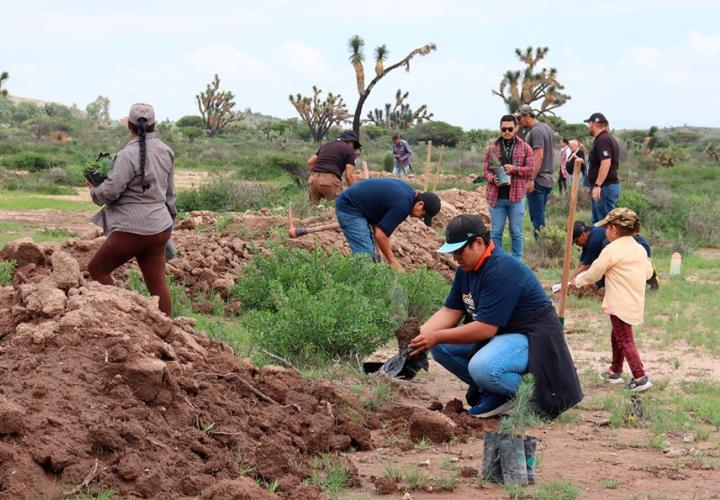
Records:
x=509, y=328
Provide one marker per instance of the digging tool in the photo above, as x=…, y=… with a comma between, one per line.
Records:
x=296, y=232
x=569, y=240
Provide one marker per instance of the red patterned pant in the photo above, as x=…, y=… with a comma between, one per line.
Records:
x=623, y=348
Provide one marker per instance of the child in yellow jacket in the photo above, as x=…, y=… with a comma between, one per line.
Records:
x=626, y=268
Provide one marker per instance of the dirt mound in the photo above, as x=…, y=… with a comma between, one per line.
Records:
x=100, y=388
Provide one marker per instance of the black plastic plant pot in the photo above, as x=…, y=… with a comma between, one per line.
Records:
x=491, y=469
x=530, y=443
x=372, y=366
x=512, y=460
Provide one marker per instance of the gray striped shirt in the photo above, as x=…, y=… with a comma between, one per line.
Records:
x=127, y=207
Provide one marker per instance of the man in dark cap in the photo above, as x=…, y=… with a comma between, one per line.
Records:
x=509, y=328
x=374, y=208
x=592, y=240
x=329, y=163
x=604, y=160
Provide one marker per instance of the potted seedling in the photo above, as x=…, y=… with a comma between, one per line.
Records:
x=509, y=455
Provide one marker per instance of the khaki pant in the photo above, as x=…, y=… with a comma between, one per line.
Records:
x=324, y=185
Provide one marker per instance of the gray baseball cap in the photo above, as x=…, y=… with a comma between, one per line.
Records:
x=141, y=110
x=525, y=109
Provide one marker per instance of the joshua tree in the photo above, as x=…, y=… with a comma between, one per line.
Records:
x=357, y=57
x=3, y=78
x=216, y=108
x=650, y=141
x=320, y=115
x=399, y=116
x=528, y=87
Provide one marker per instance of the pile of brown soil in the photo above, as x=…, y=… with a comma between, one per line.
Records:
x=211, y=255
x=101, y=389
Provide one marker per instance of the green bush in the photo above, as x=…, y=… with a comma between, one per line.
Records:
x=292, y=164
x=190, y=121
x=637, y=201
x=548, y=249
x=33, y=161
x=425, y=292
x=6, y=271
x=313, y=308
x=222, y=195
x=440, y=133
x=374, y=132
x=388, y=162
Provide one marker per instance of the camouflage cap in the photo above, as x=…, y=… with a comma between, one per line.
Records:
x=623, y=217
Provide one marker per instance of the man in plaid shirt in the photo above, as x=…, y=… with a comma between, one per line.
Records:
x=513, y=157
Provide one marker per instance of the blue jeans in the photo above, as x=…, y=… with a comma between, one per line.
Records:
x=401, y=170
x=356, y=229
x=497, y=368
x=514, y=212
x=537, y=200
x=609, y=195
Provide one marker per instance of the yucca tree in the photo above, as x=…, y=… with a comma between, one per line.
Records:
x=216, y=108
x=356, y=44
x=380, y=57
x=3, y=78
x=357, y=57
x=320, y=114
x=399, y=116
x=529, y=86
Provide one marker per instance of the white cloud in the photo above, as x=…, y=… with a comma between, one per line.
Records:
x=301, y=58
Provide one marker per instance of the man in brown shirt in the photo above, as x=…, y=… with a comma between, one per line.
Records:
x=327, y=166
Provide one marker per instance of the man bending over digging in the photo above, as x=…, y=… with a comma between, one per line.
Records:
x=509, y=328
x=375, y=207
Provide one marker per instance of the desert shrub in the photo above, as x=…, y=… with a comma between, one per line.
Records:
x=424, y=292
x=292, y=164
x=635, y=200
x=190, y=121
x=222, y=194
x=312, y=308
x=388, y=163
x=374, y=132
x=670, y=156
x=547, y=249
x=6, y=271
x=683, y=137
x=33, y=161
x=440, y=133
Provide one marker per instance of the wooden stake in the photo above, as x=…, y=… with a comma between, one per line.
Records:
x=437, y=167
x=569, y=240
x=366, y=170
x=427, y=165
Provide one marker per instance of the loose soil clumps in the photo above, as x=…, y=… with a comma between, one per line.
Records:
x=100, y=388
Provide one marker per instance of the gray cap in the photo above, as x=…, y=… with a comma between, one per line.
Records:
x=141, y=110
x=525, y=109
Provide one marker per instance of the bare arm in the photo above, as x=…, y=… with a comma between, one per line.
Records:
x=470, y=333
x=580, y=268
x=350, y=178
x=383, y=243
x=602, y=174
x=538, y=156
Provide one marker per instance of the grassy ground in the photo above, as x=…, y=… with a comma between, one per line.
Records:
x=23, y=200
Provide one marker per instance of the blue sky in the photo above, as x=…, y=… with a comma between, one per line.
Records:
x=640, y=62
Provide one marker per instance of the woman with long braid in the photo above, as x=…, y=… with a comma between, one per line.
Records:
x=139, y=207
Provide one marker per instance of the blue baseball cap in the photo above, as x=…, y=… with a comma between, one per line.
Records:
x=461, y=230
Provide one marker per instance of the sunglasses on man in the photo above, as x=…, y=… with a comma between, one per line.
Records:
x=507, y=129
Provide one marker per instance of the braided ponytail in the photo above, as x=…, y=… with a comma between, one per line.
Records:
x=141, y=129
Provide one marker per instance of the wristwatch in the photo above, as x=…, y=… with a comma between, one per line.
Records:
x=598, y=185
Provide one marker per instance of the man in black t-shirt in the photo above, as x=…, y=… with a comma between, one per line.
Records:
x=329, y=163
x=604, y=160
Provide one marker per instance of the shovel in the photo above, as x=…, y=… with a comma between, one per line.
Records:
x=296, y=232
